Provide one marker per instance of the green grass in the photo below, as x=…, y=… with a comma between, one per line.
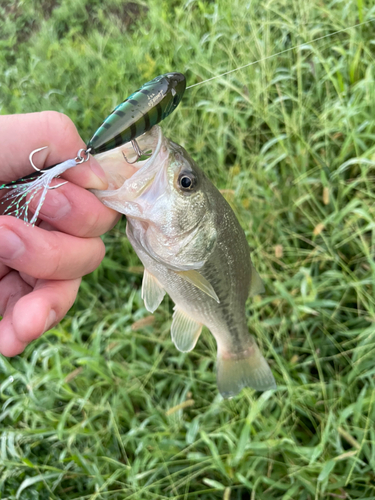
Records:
x=85, y=411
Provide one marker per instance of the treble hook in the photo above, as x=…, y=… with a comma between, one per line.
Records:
x=137, y=150
x=57, y=186
x=31, y=158
x=39, y=169
x=79, y=159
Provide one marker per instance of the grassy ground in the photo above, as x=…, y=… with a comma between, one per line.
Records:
x=103, y=406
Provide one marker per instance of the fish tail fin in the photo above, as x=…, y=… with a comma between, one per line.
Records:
x=245, y=369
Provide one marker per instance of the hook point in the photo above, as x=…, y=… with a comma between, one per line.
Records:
x=57, y=186
x=31, y=158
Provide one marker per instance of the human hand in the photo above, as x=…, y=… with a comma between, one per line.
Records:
x=41, y=267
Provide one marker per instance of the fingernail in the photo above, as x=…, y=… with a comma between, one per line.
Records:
x=99, y=172
x=56, y=205
x=51, y=320
x=11, y=245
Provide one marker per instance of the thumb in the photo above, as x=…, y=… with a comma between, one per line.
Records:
x=23, y=133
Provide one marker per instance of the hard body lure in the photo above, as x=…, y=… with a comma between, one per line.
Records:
x=143, y=109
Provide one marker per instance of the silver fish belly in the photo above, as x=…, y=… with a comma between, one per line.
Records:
x=193, y=248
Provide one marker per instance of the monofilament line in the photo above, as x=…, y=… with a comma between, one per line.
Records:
x=281, y=52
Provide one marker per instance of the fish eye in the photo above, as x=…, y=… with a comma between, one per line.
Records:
x=186, y=182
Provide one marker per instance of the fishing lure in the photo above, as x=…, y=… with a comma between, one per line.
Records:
x=143, y=109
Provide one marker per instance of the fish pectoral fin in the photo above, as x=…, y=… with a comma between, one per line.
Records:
x=196, y=279
x=256, y=283
x=185, y=331
x=152, y=291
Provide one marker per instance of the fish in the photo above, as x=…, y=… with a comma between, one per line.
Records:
x=193, y=248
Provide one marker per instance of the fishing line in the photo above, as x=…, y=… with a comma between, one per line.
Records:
x=280, y=53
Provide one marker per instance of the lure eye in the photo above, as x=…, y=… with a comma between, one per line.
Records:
x=186, y=182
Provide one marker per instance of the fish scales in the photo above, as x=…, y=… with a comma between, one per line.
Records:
x=193, y=248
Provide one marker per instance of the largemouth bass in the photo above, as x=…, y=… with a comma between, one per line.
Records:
x=193, y=248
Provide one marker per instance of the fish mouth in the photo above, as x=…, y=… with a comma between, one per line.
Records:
x=118, y=163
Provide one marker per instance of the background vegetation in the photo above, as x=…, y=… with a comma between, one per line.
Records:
x=103, y=406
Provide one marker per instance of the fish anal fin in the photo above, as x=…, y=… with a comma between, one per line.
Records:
x=246, y=369
x=196, y=279
x=152, y=291
x=256, y=283
x=185, y=331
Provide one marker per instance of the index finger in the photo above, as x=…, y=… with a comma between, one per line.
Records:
x=23, y=133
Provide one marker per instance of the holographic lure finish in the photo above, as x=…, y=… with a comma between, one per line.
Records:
x=146, y=107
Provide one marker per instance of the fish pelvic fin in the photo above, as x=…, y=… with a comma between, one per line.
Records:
x=152, y=291
x=185, y=331
x=244, y=369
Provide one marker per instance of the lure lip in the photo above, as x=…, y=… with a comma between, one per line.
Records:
x=178, y=82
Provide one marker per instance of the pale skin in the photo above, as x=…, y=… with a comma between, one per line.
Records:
x=41, y=267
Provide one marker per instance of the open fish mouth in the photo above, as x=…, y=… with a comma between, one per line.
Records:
x=117, y=163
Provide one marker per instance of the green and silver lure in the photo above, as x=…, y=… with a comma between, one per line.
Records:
x=143, y=109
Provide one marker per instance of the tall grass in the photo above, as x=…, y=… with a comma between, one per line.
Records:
x=103, y=406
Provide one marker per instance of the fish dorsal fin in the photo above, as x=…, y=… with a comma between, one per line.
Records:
x=185, y=331
x=152, y=291
x=196, y=279
x=256, y=283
